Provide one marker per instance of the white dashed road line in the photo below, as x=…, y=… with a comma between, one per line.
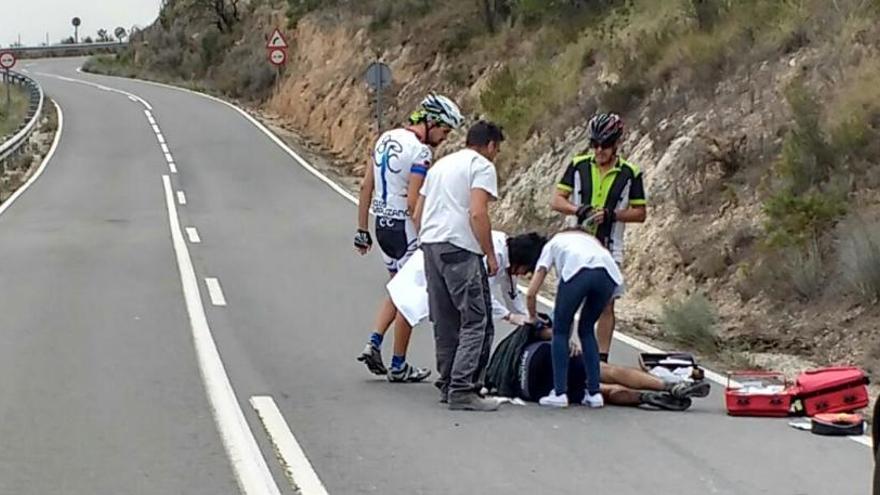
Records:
x=193, y=235
x=215, y=292
x=181, y=197
x=251, y=470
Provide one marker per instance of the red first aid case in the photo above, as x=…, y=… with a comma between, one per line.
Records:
x=832, y=390
x=758, y=393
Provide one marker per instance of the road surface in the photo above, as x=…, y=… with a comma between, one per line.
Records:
x=109, y=384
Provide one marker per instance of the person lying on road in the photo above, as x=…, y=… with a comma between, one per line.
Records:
x=521, y=367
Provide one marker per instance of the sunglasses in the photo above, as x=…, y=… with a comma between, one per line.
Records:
x=598, y=145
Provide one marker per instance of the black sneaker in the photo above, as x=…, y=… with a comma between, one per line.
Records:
x=666, y=401
x=372, y=357
x=696, y=389
x=408, y=374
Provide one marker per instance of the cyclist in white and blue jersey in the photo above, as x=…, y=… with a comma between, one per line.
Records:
x=400, y=161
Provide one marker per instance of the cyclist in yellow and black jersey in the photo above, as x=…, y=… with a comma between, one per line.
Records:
x=602, y=192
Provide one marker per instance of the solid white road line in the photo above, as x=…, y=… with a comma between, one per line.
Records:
x=6, y=204
x=172, y=167
x=193, y=235
x=132, y=98
x=181, y=197
x=248, y=464
x=215, y=291
x=296, y=465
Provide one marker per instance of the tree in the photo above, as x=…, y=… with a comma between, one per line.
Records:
x=103, y=36
x=88, y=39
x=68, y=41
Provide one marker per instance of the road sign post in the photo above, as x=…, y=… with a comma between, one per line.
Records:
x=378, y=77
x=76, y=22
x=277, y=52
x=7, y=61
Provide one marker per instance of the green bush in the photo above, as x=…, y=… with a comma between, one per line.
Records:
x=807, y=157
x=859, y=256
x=793, y=219
x=692, y=322
x=804, y=271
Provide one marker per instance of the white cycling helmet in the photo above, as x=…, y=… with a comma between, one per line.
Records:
x=441, y=109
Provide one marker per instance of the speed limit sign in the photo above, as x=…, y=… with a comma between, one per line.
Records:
x=7, y=60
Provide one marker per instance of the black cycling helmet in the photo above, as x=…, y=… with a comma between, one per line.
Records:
x=605, y=129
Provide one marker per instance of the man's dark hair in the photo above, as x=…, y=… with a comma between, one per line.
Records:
x=482, y=133
x=525, y=249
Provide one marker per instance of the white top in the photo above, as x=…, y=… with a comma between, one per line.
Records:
x=569, y=252
x=409, y=289
x=397, y=155
x=447, y=192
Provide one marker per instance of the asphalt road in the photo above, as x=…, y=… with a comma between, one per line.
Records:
x=101, y=385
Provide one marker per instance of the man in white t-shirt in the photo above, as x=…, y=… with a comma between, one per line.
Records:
x=453, y=212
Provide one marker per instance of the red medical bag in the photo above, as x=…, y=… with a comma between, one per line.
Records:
x=832, y=390
x=758, y=393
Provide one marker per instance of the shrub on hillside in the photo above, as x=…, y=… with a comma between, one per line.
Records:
x=859, y=256
x=692, y=322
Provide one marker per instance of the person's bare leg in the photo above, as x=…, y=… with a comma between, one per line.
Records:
x=630, y=377
x=617, y=395
x=402, y=333
x=371, y=356
x=605, y=329
x=385, y=316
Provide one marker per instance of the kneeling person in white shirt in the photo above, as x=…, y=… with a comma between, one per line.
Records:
x=515, y=256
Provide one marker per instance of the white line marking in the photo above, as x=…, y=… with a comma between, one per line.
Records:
x=172, y=167
x=638, y=345
x=164, y=148
x=160, y=137
x=6, y=204
x=193, y=235
x=296, y=465
x=132, y=98
x=79, y=69
x=181, y=197
x=168, y=157
x=103, y=88
x=215, y=291
x=156, y=129
x=251, y=470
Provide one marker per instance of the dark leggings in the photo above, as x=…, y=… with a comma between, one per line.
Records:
x=591, y=288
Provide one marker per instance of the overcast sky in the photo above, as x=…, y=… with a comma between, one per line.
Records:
x=32, y=19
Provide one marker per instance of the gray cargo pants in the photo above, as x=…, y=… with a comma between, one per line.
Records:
x=461, y=310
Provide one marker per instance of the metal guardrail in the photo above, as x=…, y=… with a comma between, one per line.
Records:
x=68, y=49
x=35, y=108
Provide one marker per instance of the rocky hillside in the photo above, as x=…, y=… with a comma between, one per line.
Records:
x=756, y=122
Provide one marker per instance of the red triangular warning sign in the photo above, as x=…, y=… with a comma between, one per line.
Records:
x=276, y=40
